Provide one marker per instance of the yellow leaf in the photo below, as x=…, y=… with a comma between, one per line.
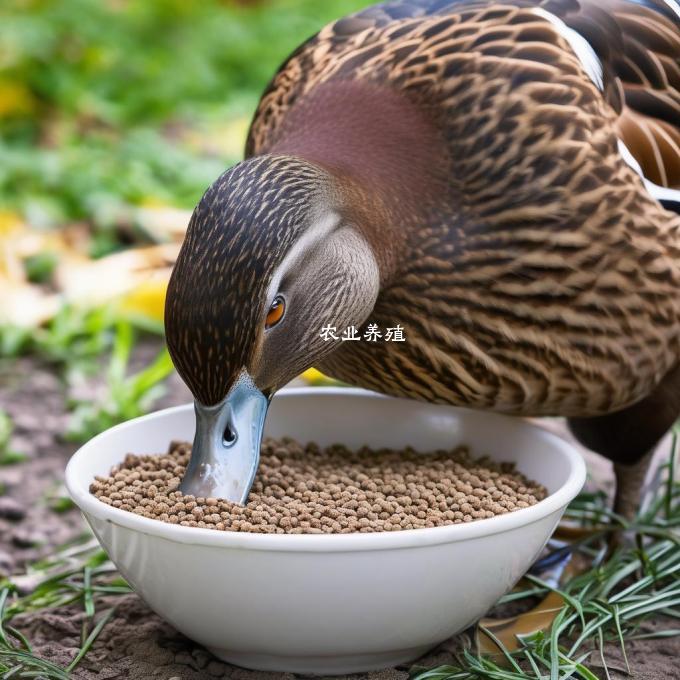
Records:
x=147, y=299
x=153, y=202
x=26, y=305
x=506, y=631
x=312, y=376
x=9, y=222
x=15, y=98
x=161, y=222
x=140, y=274
x=226, y=139
x=565, y=532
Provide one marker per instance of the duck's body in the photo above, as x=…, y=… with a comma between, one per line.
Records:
x=531, y=268
x=506, y=176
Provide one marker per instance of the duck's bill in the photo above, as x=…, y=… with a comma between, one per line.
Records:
x=226, y=450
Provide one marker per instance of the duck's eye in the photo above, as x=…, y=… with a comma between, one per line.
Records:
x=275, y=313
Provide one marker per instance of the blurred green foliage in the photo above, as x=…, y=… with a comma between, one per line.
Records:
x=8, y=456
x=73, y=340
x=126, y=396
x=106, y=105
x=111, y=103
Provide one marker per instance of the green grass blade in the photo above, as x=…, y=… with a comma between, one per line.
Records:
x=600, y=641
x=88, y=599
x=4, y=594
x=671, y=476
x=568, y=598
x=619, y=634
x=500, y=646
x=90, y=639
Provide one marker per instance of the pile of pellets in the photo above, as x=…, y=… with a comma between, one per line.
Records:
x=309, y=490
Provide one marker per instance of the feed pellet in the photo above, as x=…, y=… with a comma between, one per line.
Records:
x=311, y=490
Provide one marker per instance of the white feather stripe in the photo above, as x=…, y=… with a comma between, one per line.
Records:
x=582, y=48
x=675, y=7
x=659, y=193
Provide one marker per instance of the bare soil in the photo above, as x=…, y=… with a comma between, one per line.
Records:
x=137, y=644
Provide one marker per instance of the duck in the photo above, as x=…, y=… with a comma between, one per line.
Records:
x=498, y=181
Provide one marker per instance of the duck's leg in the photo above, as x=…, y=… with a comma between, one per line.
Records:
x=629, y=483
x=628, y=438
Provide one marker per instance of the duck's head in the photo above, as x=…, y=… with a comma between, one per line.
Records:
x=270, y=257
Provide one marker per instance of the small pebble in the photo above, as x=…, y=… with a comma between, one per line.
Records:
x=25, y=538
x=11, y=510
x=306, y=489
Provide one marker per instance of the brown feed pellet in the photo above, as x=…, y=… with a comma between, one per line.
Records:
x=309, y=490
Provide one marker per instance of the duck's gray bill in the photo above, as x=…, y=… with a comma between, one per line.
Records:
x=226, y=449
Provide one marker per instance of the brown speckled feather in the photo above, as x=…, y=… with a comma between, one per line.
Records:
x=638, y=45
x=545, y=279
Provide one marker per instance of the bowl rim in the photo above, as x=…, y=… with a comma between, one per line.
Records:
x=421, y=537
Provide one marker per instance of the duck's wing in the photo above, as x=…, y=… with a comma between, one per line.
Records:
x=344, y=45
x=636, y=45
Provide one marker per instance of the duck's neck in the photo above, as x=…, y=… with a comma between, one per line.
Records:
x=387, y=157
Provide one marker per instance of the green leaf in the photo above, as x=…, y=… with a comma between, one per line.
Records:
x=61, y=504
x=90, y=639
x=40, y=267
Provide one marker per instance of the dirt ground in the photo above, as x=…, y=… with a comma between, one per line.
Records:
x=137, y=644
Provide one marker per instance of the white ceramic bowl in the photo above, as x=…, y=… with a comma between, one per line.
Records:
x=331, y=603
